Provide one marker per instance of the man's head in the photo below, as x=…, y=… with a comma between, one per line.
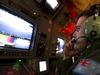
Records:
x=79, y=34
x=87, y=30
x=87, y=27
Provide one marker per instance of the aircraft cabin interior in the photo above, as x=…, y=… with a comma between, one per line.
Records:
x=33, y=34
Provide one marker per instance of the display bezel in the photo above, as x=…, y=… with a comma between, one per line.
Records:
x=21, y=15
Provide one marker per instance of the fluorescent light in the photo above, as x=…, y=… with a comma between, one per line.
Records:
x=53, y=3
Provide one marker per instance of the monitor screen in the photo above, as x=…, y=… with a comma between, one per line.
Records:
x=42, y=66
x=16, y=31
x=53, y=4
x=60, y=45
x=50, y=6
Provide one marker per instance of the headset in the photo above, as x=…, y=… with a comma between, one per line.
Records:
x=92, y=27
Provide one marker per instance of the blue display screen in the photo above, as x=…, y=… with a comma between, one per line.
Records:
x=15, y=31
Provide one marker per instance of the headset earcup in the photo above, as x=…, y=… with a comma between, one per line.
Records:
x=93, y=33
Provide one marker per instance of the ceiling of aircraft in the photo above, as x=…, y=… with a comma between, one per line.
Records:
x=82, y=5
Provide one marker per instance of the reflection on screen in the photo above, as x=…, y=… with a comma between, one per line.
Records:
x=42, y=66
x=14, y=31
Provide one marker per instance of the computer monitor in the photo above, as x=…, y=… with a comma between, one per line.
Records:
x=42, y=66
x=17, y=30
x=49, y=6
x=60, y=45
x=53, y=4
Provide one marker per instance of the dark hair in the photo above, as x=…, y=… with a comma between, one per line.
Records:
x=91, y=11
x=87, y=13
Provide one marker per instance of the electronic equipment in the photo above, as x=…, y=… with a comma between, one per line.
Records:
x=17, y=32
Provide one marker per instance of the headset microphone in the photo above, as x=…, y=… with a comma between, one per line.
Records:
x=73, y=41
